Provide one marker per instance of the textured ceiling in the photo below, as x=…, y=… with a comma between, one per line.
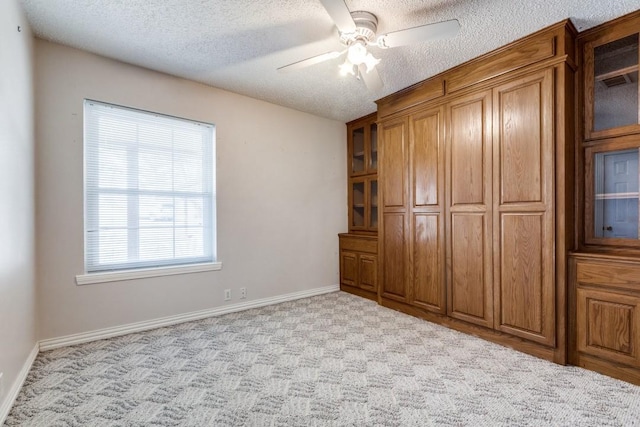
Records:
x=238, y=44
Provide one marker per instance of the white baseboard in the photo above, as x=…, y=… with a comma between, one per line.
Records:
x=100, y=334
x=5, y=407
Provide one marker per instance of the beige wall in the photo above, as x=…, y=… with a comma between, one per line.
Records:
x=17, y=283
x=281, y=194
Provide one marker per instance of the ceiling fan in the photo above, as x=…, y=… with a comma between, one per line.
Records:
x=358, y=32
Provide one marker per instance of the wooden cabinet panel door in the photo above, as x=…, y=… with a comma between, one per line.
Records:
x=428, y=262
x=469, y=204
x=368, y=272
x=524, y=270
x=607, y=326
x=427, y=158
x=469, y=290
x=426, y=153
x=394, y=259
x=348, y=268
x=523, y=284
x=394, y=164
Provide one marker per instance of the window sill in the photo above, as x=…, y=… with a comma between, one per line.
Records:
x=116, y=276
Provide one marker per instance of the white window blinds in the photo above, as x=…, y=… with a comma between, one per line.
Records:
x=149, y=189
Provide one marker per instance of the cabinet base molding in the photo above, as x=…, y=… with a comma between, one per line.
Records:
x=611, y=369
x=556, y=355
x=359, y=292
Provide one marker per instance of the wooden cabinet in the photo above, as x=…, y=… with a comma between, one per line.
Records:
x=474, y=191
x=412, y=153
x=358, y=248
x=605, y=270
x=359, y=265
x=607, y=315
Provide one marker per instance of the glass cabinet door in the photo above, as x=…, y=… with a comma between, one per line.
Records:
x=362, y=160
x=612, y=194
x=611, y=87
x=358, y=214
x=373, y=144
x=358, y=164
x=363, y=198
x=616, y=194
x=373, y=204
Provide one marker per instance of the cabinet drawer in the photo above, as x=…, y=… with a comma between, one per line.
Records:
x=607, y=326
x=609, y=274
x=359, y=244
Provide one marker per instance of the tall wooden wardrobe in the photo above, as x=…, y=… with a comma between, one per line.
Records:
x=476, y=194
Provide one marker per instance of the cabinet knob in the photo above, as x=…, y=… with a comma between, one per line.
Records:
x=609, y=228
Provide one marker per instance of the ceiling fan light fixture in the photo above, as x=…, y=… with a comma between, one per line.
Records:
x=347, y=68
x=357, y=53
x=357, y=31
x=370, y=61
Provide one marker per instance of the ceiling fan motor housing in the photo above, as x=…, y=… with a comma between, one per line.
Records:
x=366, y=26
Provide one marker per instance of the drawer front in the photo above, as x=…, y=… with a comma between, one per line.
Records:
x=609, y=274
x=608, y=325
x=359, y=244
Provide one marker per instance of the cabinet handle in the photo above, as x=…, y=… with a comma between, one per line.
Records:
x=609, y=228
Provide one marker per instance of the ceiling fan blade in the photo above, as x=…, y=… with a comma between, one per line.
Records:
x=437, y=31
x=340, y=14
x=371, y=78
x=310, y=61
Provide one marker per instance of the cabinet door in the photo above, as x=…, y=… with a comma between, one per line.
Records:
x=358, y=204
x=373, y=148
x=608, y=327
x=611, y=81
x=426, y=153
x=394, y=164
x=469, y=203
x=358, y=149
x=393, y=194
x=393, y=249
x=348, y=268
x=524, y=222
x=372, y=204
x=368, y=272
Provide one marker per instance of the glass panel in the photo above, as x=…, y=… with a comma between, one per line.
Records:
x=373, y=220
x=358, y=204
x=616, y=194
x=113, y=246
x=155, y=211
x=357, y=162
x=374, y=146
x=615, y=97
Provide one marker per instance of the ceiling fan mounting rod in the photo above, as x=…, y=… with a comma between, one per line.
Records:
x=366, y=27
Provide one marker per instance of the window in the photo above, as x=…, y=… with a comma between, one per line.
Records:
x=149, y=189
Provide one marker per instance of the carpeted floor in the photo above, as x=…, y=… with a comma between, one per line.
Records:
x=331, y=360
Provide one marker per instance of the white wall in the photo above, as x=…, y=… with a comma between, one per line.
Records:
x=17, y=271
x=281, y=194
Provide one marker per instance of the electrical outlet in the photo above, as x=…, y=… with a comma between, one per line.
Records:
x=227, y=294
x=243, y=293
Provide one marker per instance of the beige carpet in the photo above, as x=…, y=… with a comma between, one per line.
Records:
x=331, y=360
